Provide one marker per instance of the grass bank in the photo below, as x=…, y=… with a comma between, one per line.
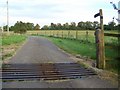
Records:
x=75, y=47
x=10, y=43
x=12, y=39
x=88, y=50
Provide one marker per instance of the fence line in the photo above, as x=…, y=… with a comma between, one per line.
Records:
x=112, y=35
x=71, y=34
x=85, y=35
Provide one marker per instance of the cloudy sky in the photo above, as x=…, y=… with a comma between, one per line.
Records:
x=56, y=11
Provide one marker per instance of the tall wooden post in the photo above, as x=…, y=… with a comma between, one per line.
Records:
x=100, y=54
x=97, y=41
x=102, y=47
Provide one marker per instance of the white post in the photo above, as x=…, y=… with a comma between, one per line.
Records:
x=119, y=13
x=7, y=18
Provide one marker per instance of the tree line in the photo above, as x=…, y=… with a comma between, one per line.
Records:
x=88, y=25
x=72, y=26
x=22, y=27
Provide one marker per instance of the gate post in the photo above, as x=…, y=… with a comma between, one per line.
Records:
x=100, y=50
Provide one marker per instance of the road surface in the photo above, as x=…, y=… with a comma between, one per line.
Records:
x=41, y=50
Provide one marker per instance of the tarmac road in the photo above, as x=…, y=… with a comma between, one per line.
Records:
x=41, y=50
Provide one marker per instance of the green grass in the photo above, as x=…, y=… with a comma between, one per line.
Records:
x=12, y=39
x=75, y=47
x=81, y=47
x=87, y=49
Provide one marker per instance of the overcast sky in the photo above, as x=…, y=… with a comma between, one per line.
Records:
x=56, y=11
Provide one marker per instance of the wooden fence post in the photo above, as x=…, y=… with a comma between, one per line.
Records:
x=102, y=50
x=62, y=33
x=86, y=36
x=76, y=34
x=45, y=32
x=53, y=33
x=100, y=43
x=97, y=41
x=57, y=33
x=68, y=33
x=50, y=33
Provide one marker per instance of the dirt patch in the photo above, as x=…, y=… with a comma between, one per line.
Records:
x=9, y=51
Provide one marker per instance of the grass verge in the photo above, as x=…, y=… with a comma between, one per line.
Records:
x=75, y=47
x=88, y=50
x=12, y=39
x=10, y=43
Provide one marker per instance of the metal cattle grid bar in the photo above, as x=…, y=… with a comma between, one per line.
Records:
x=44, y=71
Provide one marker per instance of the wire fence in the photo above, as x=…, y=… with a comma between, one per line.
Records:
x=85, y=35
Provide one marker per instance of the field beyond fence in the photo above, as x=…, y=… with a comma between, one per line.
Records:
x=85, y=35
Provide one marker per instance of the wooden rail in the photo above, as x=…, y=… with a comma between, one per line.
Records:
x=112, y=35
